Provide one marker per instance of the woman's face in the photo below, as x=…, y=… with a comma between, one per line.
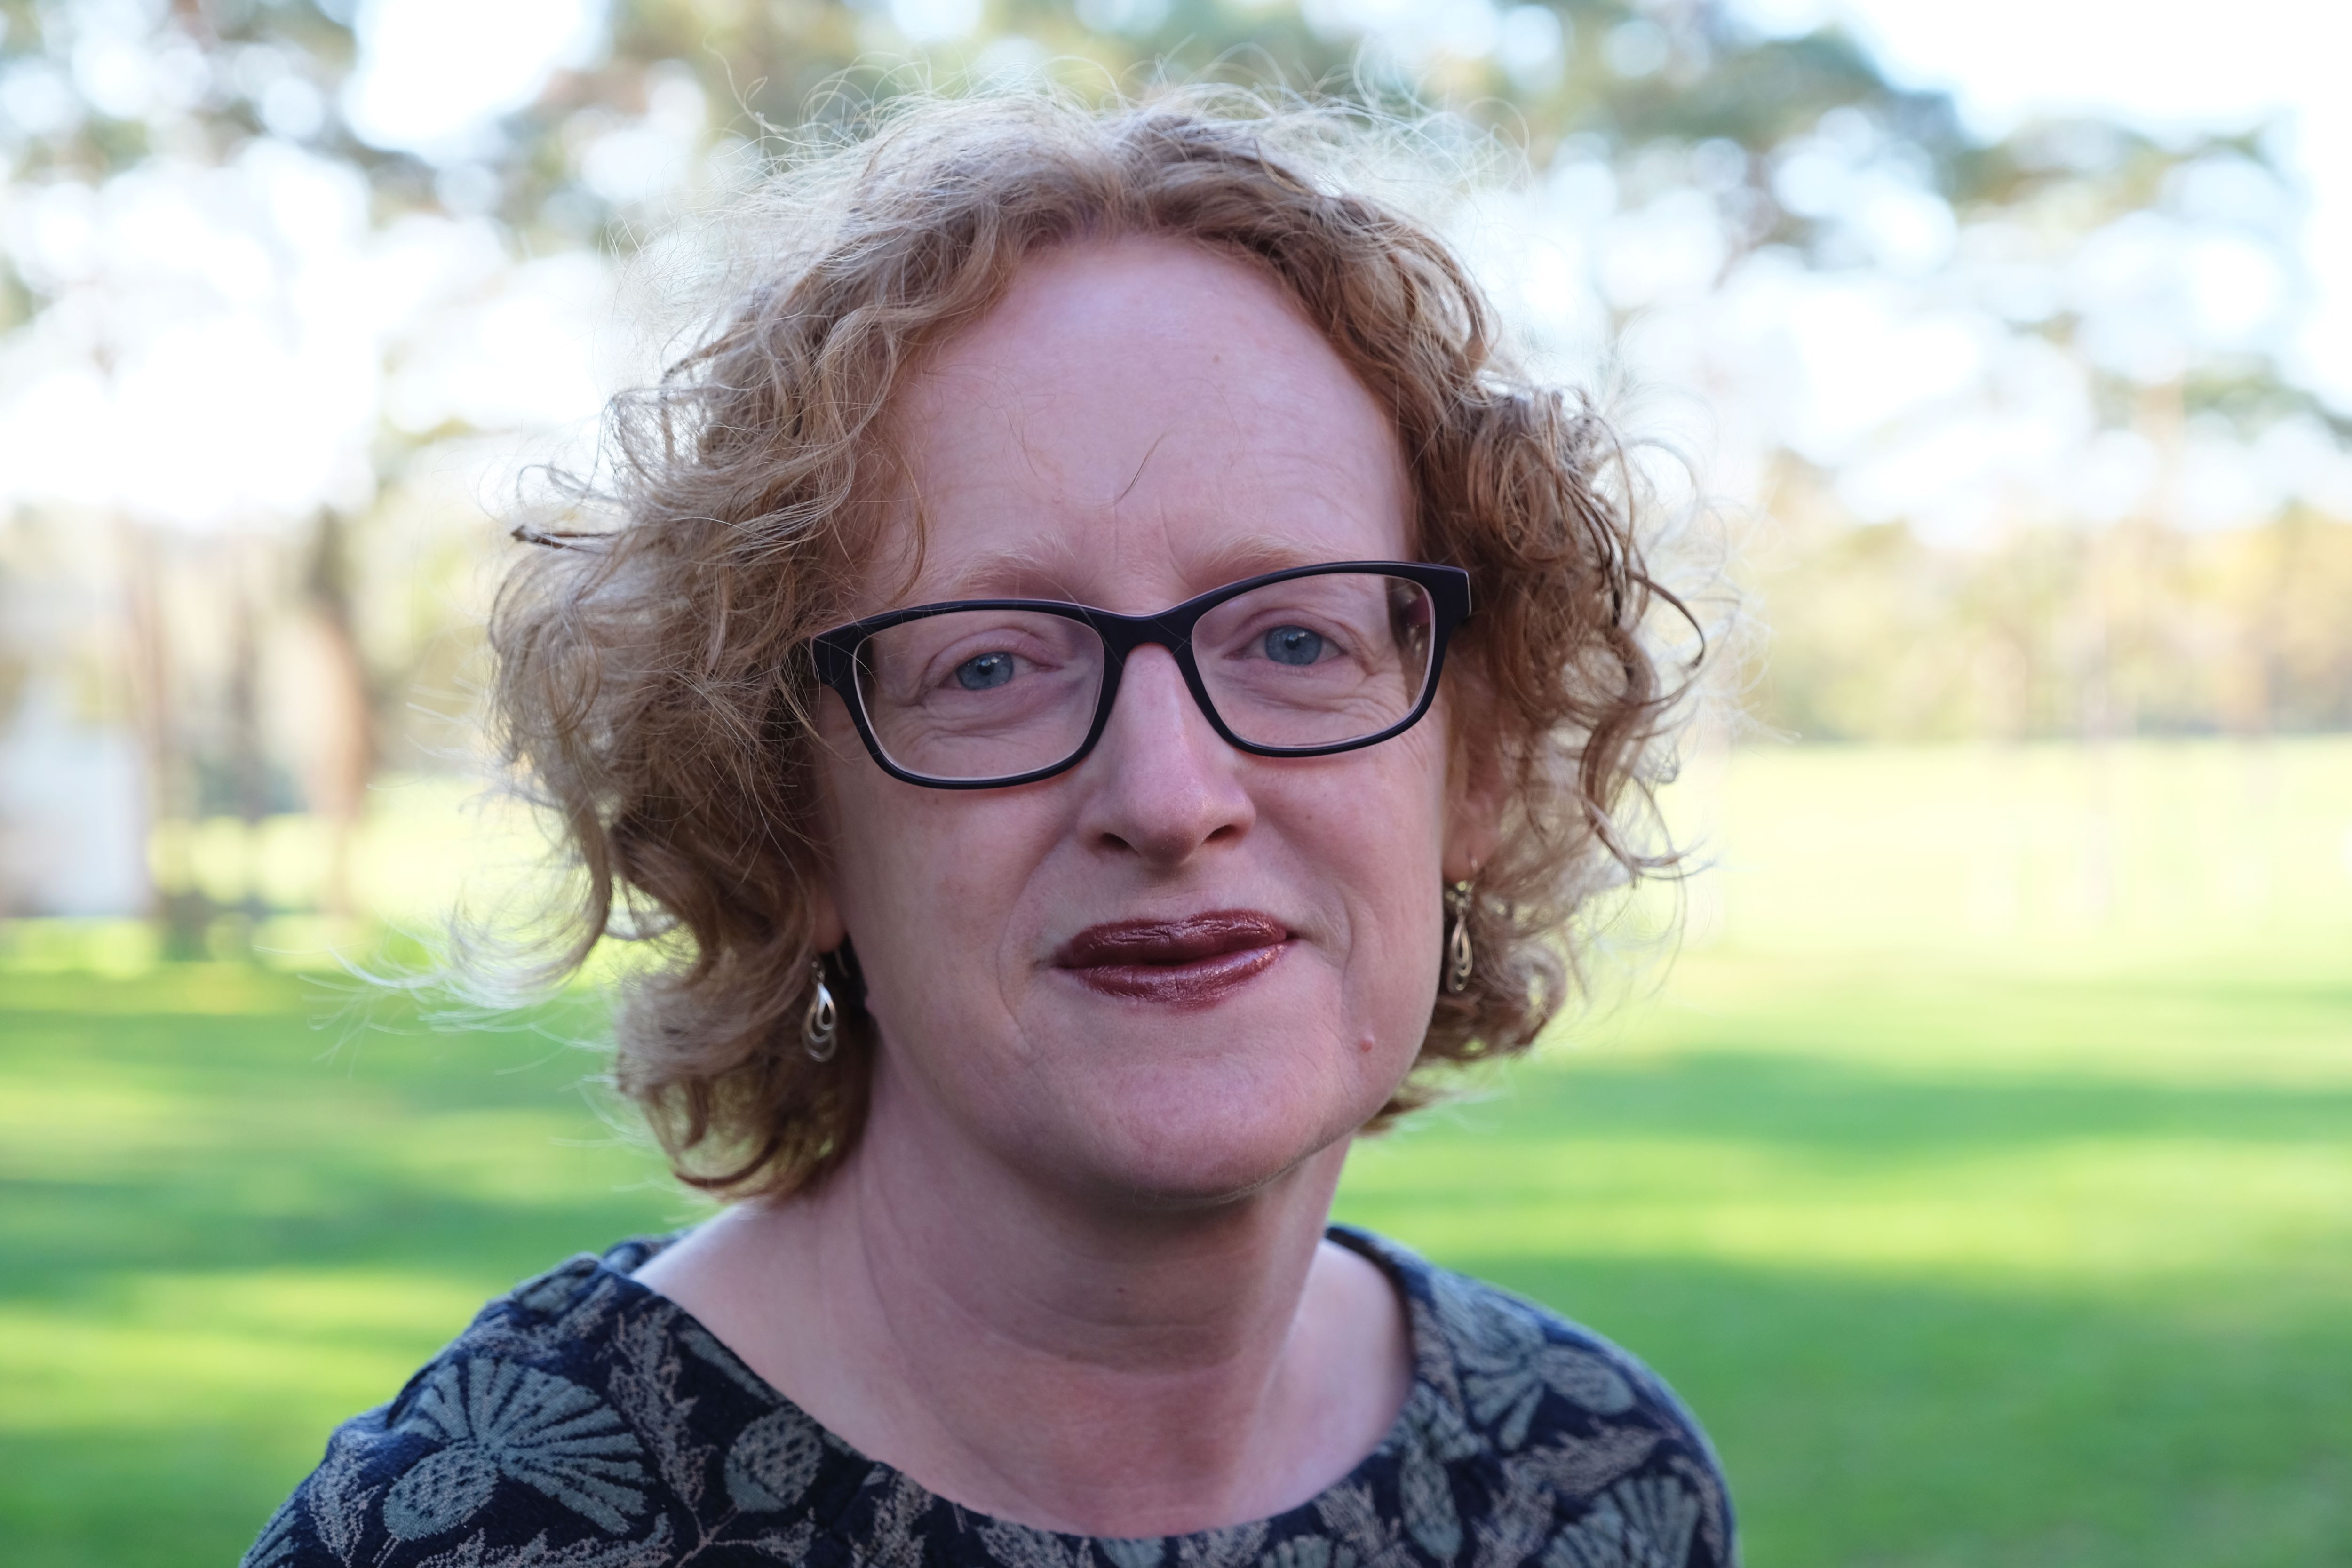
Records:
x=1137, y=423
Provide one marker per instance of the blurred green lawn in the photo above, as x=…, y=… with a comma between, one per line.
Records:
x=1982, y=1175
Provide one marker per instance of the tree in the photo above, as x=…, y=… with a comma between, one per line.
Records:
x=1942, y=336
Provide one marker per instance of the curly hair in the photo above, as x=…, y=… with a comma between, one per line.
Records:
x=652, y=685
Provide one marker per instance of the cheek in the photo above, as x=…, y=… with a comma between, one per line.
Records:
x=1380, y=843
x=925, y=881
x=875, y=843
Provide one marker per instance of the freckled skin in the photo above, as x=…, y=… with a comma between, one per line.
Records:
x=1125, y=462
x=1073, y=1275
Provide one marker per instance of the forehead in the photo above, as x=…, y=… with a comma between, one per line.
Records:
x=1139, y=421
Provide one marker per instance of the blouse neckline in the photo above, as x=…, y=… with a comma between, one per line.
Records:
x=620, y=1263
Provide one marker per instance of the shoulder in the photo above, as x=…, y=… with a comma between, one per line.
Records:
x=581, y=1418
x=1578, y=1454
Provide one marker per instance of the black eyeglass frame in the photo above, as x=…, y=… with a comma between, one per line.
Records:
x=835, y=654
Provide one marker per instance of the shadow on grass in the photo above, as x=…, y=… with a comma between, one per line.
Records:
x=198, y=1132
x=167, y=1139
x=1827, y=1104
x=1892, y=1424
x=1897, y=1427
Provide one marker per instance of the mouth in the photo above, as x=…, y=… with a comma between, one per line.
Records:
x=1189, y=963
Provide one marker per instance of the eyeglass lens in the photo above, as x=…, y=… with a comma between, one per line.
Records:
x=1303, y=662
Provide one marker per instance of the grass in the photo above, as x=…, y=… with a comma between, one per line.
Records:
x=1982, y=1176
x=1945, y=1313
x=233, y=1215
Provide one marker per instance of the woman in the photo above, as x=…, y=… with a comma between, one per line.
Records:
x=1036, y=948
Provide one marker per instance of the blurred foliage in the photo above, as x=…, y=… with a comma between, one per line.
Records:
x=2134, y=629
x=2054, y=626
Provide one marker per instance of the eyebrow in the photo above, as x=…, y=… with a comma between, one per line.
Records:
x=1012, y=574
x=1027, y=573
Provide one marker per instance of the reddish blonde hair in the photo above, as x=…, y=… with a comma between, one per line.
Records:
x=651, y=679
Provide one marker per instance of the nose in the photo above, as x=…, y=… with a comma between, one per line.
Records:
x=1161, y=784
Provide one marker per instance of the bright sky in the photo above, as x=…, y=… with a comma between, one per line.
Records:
x=2164, y=68
x=434, y=73
x=251, y=326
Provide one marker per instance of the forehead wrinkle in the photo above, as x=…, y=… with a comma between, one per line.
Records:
x=1136, y=477
x=1017, y=414
x=1223, y=425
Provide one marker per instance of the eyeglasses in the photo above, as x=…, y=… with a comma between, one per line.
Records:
x=982, y=693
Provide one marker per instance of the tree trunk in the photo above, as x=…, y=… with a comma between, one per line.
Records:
x=339, y=750
x=179, y=910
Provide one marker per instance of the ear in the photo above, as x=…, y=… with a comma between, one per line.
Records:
x=1475, y=789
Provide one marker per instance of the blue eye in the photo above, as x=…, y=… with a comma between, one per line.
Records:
x=989, y=670
x=1293, y=645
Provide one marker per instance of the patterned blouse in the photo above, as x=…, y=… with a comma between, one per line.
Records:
x=587, y=1422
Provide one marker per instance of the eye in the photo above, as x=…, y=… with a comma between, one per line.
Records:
x=1293, y=645
x=987, y=671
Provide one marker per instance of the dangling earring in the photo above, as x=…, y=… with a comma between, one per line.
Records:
x=821, y=1029
x=1459, y=959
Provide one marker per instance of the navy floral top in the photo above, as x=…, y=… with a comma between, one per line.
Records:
x=587, y=1422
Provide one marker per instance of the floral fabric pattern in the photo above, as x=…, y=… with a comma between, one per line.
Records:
x=585, y=1422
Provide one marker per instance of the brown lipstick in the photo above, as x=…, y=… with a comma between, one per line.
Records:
x=1190, y=962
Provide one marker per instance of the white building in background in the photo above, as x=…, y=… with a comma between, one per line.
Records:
x=72, y=810
x=221, y=350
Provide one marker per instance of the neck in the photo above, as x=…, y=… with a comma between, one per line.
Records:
x=1083, y=1360
x=1078, y=1361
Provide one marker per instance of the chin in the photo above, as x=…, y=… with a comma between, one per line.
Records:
x=1211, y=1131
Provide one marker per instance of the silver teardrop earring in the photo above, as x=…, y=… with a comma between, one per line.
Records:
x=820, y=1027
x=1459, y=958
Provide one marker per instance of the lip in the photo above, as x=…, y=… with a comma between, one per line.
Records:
x=1194, y=962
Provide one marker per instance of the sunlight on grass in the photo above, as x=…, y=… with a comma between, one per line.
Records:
x=1982, y=1174
x=170, y=1347
x=2039, y=858
x=2092, y=1216
x=2216, y=1023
